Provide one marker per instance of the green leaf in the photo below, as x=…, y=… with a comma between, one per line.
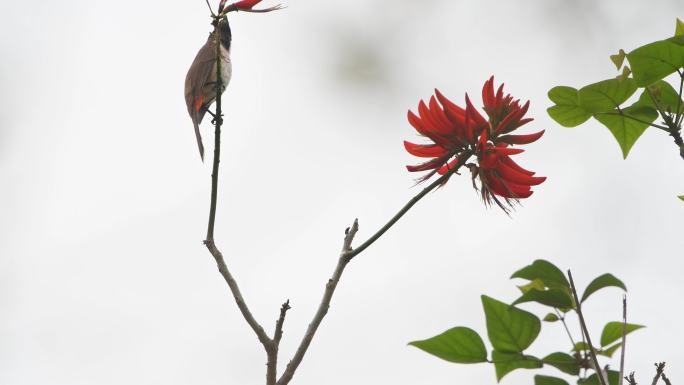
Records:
x=558, y=298
x=679, y=28
x=563, y=362
x=550, y=317
x=613, y=332
x=545, y=271
x=460, y=344
x=654, y=61
x=661, y=95
x=625, y=74
x=605, y=280
x=681, y=197
x=548, y=380
x=505, y=363
x=608, y=352
x=627, y=125
x=606, y=95
x=567, y=111
x=581, y=346
x=613, y=379
x=509, y=329
x=534, y=284
x=618, y=58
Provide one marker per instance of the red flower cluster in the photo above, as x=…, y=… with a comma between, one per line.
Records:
x=457, y=133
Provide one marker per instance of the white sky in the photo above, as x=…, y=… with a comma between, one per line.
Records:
x=103, y=276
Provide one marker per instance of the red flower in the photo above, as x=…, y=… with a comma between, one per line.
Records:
x=458, y=133
x=246, y=6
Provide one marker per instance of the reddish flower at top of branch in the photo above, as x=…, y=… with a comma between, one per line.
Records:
x=456, y=132
x=246, y=6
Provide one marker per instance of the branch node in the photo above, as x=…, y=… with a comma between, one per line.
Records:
x=349, y=234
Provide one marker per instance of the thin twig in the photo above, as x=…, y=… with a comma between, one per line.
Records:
x=345, y=257
x=680, y=115
x=281, y=320
x=322, y=307
x=660, y=367
x=210, y=10
x=209, y=242
x=565, y=325
x=630, y=379
x=665, y=379
x=218, y=120
x=672, y=125
x=624, y=338
x=461, y=161
x=239, y=300
x=597, y=368
x=272, y=349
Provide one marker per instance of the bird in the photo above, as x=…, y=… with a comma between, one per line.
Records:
x=200, y=82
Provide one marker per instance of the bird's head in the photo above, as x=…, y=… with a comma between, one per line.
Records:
x=224, y=28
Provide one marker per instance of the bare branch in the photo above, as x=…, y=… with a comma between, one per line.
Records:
x=585, y=332
x=322, y=307
x=630, y=379
x=281, y=320
x=665, y=379
x=272, y=349
x=660, y=367
x=235, y=290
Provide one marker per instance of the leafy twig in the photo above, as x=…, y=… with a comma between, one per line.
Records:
x=585, y=331
x=624, y=338
x=680, y=115
x=565, y=325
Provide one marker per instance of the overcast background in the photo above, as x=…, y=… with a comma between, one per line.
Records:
x=104, y=200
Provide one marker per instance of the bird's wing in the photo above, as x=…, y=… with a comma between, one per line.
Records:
x=197, y=76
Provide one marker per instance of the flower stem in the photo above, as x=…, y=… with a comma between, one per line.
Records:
x=461, y=161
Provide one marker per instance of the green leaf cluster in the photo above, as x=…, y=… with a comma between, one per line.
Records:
x=511, y=331
x=648, y=66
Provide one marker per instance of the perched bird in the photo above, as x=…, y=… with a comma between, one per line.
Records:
x=200, y=82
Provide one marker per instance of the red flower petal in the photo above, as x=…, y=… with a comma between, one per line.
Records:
x=507, y=151
x=474, y=115
x=488, y=98
x=424, y=150
x=246, y=4
x=508, y=190
x=438, y=117
x=512, y=175
x=509, y=162
x=449, y=105
x=521, y=139
x=449, y=166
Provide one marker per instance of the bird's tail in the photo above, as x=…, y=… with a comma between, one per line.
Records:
x=195, y=122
